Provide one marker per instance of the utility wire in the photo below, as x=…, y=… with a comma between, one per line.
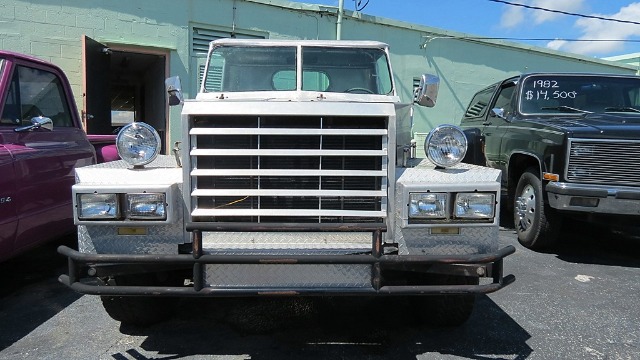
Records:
x=566, y=12
x=357, y=4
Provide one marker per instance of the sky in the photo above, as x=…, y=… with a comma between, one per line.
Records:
x=487, y=18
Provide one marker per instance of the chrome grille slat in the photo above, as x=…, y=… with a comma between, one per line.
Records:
x=269, y=169
x=606, y=162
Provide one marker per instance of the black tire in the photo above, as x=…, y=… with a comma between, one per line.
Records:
x=536, y=224
x=139, y=310
x=446, y=310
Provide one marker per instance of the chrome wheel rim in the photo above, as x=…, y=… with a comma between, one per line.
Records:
x=526, y=209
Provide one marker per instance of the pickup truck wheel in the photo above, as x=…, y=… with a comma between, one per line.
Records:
x=537, y=225
x=446, y=310
x=138, y=310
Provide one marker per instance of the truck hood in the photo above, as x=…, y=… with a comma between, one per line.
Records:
x=594, y=125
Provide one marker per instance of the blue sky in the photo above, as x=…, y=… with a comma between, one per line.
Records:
x=492, y=19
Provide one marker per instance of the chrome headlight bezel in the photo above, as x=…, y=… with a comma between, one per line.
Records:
x=476, y=205
x=146, y=206
x=98, y=206
x=446, y=145
x=138, y=143
x=427, y=205
x=135, y=206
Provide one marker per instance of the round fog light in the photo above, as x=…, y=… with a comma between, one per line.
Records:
x=138, y=143
x=446, y=145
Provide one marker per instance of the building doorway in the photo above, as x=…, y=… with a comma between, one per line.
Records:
x=123, y=85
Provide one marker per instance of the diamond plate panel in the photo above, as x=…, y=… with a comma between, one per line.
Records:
x=291, y=276
x=161, y=239
x=471, y=240
x=163, y=170
x=423, y=171
x=417, y=240
x=294, y=243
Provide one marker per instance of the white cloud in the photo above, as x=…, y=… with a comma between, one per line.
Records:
x=540, y=16
x=604, y=30
x=514, y=15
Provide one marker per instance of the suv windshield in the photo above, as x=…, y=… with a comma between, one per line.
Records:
x=274, y=68
x=544, y=94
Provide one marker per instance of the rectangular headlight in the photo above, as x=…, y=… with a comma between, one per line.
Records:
x=428, y=205
x=475, y=205
x=98, y=206
x=146, y=206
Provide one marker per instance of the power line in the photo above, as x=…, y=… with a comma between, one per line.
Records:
x=566, y=12
x=357, y=5
x=546, y=39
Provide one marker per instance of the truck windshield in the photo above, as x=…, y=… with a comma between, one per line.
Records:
x=274, y=68
x=544, y=94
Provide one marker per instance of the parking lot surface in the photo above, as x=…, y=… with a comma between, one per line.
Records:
x=578, y=301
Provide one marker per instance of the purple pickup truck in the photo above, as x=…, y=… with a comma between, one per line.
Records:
x=41, y=143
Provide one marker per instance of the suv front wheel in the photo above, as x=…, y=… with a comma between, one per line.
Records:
x=537, y=225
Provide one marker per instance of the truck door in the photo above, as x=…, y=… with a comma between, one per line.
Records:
x=495, y=127
x=8, y=219
x=44, y=160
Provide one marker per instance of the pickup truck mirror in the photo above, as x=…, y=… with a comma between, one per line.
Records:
x=497, y=112
x=427, y=92
x=174, y=89
x=37, y=122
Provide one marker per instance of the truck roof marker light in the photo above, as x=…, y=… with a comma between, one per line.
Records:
x=138, y=144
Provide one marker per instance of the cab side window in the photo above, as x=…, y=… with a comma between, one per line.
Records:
x=32, y=93
x=479, y=103
x=503, y=100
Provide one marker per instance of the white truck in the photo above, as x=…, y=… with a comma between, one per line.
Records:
x=296, y=176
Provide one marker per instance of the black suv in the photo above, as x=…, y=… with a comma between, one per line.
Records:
x=567, y=144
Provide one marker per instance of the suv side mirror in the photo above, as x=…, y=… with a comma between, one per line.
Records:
x=498, y=112
x=427, y=92
x=174, y=89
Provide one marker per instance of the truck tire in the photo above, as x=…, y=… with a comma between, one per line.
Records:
x=536, y=224
x=446, y=310
x=138, y=310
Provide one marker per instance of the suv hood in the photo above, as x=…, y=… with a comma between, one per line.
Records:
x=594, y=125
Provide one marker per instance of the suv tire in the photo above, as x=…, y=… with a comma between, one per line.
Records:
x=536, y=224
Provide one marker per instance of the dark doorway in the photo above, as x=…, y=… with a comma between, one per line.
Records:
x=123, y=85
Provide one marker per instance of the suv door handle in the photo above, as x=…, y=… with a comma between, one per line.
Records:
x=487, y=123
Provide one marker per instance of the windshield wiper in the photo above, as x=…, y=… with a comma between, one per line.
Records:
x=565, y=108
x=623, y=109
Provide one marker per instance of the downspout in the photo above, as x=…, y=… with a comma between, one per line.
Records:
x=339, y=22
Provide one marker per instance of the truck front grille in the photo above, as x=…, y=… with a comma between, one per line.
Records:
x=606, y=162
x=288, y=169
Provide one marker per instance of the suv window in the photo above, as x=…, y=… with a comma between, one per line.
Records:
x=503, y=101
x=32, y=93
x=479, y=103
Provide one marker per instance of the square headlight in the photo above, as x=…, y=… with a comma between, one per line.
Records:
x=146, y=206
x=475, y=205
x=428, y=205
x=98, y=206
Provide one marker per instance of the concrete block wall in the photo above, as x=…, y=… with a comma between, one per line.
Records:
x=53, y=29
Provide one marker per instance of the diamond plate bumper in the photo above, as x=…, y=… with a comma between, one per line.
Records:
x=378, y=264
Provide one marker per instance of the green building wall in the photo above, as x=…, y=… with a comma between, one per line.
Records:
x=53, y=29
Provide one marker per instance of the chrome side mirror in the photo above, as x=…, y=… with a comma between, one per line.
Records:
x=497, y=112
x=174, y=89
x=38, y=122
x=427, y=92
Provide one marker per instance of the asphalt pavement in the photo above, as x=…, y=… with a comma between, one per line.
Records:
x=578, y=301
